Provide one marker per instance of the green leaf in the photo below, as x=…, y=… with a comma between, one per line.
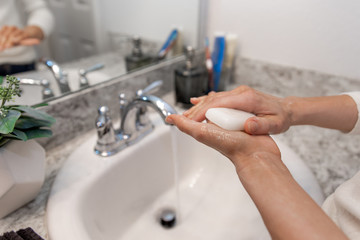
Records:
x=7, y=123
x=4, y=141
x=40, y=105
x=27, y=122
x=19, y=135
x=37, y=133
x=35, y=113
x=11, y=136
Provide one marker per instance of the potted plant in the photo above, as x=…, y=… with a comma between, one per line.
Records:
x=22, y=162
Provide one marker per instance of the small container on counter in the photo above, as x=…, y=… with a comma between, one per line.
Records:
x=137, y=58
x=191, y=80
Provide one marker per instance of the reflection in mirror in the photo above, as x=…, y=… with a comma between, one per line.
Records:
x=94, y=41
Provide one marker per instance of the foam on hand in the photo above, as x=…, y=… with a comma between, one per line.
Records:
x=229, y=119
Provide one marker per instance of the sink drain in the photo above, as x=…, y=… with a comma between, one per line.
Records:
x=168, y=218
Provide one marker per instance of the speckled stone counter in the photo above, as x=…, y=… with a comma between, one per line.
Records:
x=332, y=156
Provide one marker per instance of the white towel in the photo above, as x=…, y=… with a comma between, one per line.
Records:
x=343, y=207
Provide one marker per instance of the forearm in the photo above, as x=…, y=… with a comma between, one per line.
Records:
x=288, y=212
x=335, y=112
x=34, y=32
x=39, y=15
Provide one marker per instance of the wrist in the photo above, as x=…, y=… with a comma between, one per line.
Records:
x=334, y=112
x=259, y=165
x=33, y=31
x=290, y=106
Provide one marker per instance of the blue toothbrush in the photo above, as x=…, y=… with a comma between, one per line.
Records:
x=168, y=44
x=218, y=59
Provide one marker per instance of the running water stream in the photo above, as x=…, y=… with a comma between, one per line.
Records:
x=174, y=145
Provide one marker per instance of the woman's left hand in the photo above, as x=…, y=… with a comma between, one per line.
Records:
x=241, y=148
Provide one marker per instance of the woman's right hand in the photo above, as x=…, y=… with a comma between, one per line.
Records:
x=272, y=113
x=11, y=36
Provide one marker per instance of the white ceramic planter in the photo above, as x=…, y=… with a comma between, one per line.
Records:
x=22, y=173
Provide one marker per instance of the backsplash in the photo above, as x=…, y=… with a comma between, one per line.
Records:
x=286, y=81
x=75, y=114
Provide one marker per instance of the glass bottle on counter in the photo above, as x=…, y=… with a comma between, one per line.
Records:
x=191, y=79
x=137, y=58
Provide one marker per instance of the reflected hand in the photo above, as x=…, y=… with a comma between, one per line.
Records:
x=238, y=146
x=11, y=36
x=272, y=115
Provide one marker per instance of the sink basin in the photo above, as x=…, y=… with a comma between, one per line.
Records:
x=121, y=197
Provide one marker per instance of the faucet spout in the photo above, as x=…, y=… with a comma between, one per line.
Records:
x=59, y=75
x=135, y=123
x=159, y=105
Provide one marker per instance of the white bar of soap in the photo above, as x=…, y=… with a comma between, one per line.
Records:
x=229, y=119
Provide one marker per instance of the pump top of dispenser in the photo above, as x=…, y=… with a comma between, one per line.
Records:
x=136, y=51
x=189, y=54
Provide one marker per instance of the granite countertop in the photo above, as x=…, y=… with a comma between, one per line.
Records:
x=332, y=156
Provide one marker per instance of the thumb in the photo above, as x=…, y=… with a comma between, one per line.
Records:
x=30, y=42
x=258, y=126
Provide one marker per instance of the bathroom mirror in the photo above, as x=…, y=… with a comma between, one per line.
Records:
x=89, y=32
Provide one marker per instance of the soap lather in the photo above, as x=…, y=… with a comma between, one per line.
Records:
x=229, y=119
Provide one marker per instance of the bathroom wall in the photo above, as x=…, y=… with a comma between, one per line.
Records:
x=309, y=34
x=152, y=19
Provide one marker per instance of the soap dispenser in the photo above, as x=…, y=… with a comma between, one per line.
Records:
x=137, y=58
x=191, y=79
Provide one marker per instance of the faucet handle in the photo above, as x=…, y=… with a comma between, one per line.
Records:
x=108, y=142
x=84, y=82
x=95, y=67
x=47, y=92
x=151, y=88
x=45, y=84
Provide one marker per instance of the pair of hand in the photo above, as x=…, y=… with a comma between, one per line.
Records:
x=11, y=36
x=271, y=113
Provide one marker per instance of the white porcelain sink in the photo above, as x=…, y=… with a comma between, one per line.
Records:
x=120, y=197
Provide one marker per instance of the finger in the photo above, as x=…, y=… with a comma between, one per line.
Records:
x=197, y=113
x=196, y=100
x=4, y=32
x=209, y=134
x=11, y=37
x=264, y=125
x=252, y=126
x=183, y=123
x=17, y=35
x=30, y=42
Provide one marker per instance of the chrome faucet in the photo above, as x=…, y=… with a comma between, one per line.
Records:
x=84, y=82
x=59, y=75
x=135, y=123
x=46, y=91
